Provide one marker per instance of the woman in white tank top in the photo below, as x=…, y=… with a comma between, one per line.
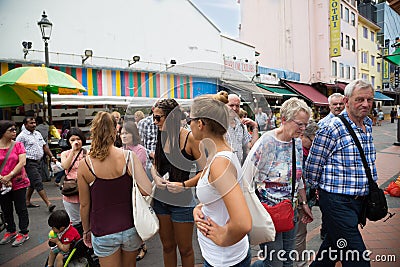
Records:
x=222, y=218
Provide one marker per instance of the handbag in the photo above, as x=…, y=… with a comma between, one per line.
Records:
x=282, y=214
x=144, y=217
x=375, y=205
x=6, y=158
x=70, y=186
x=262, y=227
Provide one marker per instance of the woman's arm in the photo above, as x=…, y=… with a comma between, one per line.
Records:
x=140, y=175
x=223, y=177
x=66, y=161
x=17, y=169
x=84, y=199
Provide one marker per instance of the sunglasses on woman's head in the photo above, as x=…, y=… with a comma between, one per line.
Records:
x=157, y=117
x=189, y=120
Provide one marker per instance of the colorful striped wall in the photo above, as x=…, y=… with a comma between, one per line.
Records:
x=100, y=82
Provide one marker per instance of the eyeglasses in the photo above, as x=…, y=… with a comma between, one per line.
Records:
x=12, y=130
x=311, y=139
x=157, y=117
x=300, y=124
x=189, y=120
x=233, y=105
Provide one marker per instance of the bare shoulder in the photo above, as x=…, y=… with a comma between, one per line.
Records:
x=221, y=166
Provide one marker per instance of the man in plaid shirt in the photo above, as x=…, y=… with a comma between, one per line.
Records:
x=334, y=165
x=148, y=134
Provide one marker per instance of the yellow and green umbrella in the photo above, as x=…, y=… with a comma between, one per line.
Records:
x=14, y=96
x=43, y=79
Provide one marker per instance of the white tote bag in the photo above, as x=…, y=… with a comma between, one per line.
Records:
x=263, y=229
x=144, y=217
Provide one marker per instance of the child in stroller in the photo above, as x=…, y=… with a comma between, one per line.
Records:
x=64, y=235
x=78, y=254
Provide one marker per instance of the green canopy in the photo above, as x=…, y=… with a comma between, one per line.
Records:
x=278, y=90
x=394, y=58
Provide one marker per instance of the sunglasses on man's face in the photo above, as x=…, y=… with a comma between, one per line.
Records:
x=157, y=117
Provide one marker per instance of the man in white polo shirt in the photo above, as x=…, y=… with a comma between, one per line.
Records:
x=35, y=148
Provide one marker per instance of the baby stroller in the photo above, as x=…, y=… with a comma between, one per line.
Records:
x=80, y=255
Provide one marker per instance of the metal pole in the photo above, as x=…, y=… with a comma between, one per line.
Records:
x=47, y=64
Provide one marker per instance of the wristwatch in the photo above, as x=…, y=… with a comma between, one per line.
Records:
x=303, y=203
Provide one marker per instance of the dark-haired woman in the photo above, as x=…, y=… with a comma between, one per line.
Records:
x=131, y=141
x=13, y=171
x=70, y=162
x=175, y=155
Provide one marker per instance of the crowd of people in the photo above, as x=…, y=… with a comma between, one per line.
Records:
x=298, y=160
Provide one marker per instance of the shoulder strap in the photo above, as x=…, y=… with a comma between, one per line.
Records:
x=73, y=162
x=90, y=169
x=127, y=158
x=187, y=137
x=7, y=155
x=293, y=168
x=358, y=144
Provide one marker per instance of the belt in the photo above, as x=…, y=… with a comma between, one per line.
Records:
x=34, y=160
x=358, y=197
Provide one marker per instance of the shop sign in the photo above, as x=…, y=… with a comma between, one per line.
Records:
x=240, y=66
x=385, y=76
x=334, y=25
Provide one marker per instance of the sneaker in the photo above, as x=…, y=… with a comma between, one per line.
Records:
x=20, y=239
x=8, y=237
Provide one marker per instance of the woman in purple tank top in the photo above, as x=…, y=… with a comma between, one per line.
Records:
x=105, y=192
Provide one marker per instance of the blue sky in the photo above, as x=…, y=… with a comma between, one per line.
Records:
x=224, y=14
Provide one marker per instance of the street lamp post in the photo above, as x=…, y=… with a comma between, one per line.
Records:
x=46, y=27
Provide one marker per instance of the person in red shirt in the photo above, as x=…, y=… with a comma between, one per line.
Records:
x=60, y=245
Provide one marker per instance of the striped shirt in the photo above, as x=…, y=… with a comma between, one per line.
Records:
x=33, y=142
x=334, y=163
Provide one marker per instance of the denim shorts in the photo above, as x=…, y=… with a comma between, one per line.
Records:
x=106, y=245
x=178, y=214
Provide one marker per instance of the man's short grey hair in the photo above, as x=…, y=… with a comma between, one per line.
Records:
x=334, y=95
x=311, y=129
x=291, y=107
x=233, y=96
x=359, y=83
